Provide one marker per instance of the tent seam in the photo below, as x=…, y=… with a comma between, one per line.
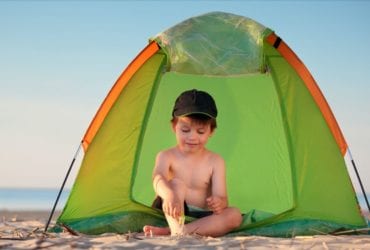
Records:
x=144, y=124
x=288, y=140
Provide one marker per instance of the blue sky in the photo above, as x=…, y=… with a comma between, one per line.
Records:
x=58, y=60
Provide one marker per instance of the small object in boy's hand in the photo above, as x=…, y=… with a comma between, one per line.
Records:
x=182, y=219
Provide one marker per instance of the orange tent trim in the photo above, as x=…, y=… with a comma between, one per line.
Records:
x=312, y=86
x=115, y=91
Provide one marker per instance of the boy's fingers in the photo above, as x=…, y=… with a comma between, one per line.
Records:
x=180, y=211
x=174, y=212
x=212, y=204
x=216, y=208
x=168, y=209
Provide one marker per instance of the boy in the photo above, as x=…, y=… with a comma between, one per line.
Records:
x=189, y=177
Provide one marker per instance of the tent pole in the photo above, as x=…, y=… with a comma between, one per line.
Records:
x=62, y=187
x=359, y=179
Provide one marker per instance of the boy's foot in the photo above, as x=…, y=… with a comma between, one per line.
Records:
x=151, y=230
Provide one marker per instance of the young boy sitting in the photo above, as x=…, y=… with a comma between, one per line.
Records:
x=190, y=179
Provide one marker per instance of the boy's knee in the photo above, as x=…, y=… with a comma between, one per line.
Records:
x=234, y=217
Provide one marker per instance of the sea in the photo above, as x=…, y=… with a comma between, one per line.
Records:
x=22, y=199
x=44, y=198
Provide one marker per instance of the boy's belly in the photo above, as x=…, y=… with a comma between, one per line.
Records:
x=196, y=198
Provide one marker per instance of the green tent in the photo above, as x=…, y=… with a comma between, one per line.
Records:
x=282, y=145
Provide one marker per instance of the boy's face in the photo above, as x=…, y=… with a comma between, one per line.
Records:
x=191, y=136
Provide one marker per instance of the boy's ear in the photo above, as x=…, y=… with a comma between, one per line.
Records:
x=173, y=125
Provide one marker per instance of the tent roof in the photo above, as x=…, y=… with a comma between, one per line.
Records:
x=215, y=43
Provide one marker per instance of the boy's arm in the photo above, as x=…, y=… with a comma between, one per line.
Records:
x=160, y=172
x=218, y=201
x=171, y=204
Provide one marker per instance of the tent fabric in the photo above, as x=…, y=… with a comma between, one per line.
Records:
x=104, y=179
x=280, y=141
x=116, y=91
x=312, y=86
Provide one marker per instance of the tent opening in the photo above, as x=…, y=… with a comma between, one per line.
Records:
x=249, y=122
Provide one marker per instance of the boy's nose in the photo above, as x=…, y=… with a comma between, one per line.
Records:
x=192, y=135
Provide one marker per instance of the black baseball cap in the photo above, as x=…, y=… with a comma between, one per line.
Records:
x=195, y=102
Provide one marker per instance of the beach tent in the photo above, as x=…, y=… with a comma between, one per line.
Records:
x=282, y=145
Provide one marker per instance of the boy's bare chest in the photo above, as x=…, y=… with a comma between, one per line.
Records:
x=195, y=176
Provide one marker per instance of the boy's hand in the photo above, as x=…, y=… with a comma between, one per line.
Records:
x=216, y=204
x=172, y=206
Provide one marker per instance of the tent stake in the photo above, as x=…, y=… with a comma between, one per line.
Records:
x=62, y=187
x=359, y=179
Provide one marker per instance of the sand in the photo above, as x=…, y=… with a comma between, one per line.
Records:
x=24, y=230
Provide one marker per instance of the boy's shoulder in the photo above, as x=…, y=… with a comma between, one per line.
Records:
x=168, y=151
x=216, y=158
x=166, y=154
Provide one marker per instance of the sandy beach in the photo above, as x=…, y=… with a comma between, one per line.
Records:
x=24, y=230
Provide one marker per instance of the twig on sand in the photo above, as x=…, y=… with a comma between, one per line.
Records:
x=318, y=231
x=70, y=230
x=353, y=231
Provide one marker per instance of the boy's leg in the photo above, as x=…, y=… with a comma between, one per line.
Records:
x=213, y=225
x=216, y=224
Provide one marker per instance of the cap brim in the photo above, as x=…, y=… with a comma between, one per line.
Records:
x=194, y=113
